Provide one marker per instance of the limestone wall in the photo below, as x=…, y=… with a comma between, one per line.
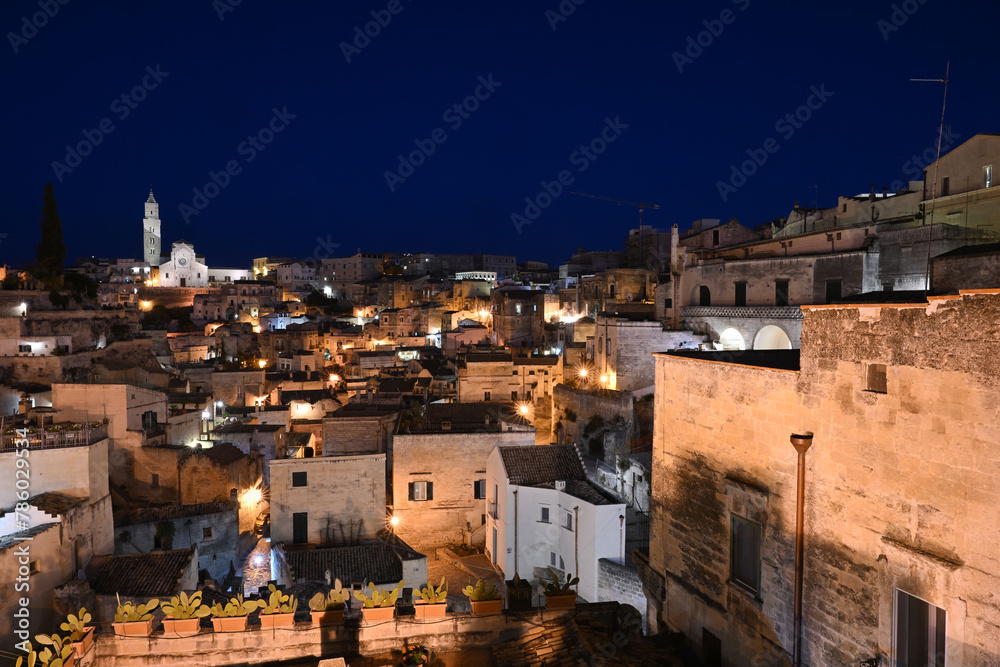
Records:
x=901, y=487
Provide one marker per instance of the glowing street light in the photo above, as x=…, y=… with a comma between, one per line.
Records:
x=262, y=363
x=334, y=378
x=583, y=373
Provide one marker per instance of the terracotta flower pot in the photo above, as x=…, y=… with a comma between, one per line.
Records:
x=181, y=627
x=81, y=647
x=230, y=624
x=134, y=628
x=487, y=606
x=331, y=617
x=377, y=614
x=425, y=611
x=70, y=661
x=270, y=621
x=567, y=601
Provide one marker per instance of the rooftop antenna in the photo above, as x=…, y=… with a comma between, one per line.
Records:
x=937, y=165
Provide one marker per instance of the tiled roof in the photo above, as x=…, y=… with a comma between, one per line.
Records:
x=585, y=491
x=536, y=361
x=52, y=503
x=153, y=574
x=535, y=466
x=487, y=357
x=12, y=540
x=222, y=453
x=374, y=562
x=249, y=428
x=298, y=439
x=152, y=514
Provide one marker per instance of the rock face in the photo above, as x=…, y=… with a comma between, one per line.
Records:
x=902, y=485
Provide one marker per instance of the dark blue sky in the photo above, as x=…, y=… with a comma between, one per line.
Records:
x=323, y=175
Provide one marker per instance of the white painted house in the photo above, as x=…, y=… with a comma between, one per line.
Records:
x=543, y=512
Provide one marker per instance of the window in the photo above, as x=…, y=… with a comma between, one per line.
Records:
x=920, y=632
x=32, y=567
x=715, y=237
x=421, y=491
x=600, y=346
x=781, y=292
x=486, y=396
x=887, y=287
x=844, y=209
x=833, y=290
x=517, y=308
x=875, y=379
x=568, y=523
x=299, y=479
x=552, y=558
x=668, y=303
x=480, y=489
x=155, y=481
x=704, y=296
x=741, y=293
x=711, y=648
x=545, y=515
x=24, y=348
x=745, y=553
x=988, y=176
x=206, y=533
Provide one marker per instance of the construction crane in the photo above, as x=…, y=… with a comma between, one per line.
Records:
x=640, y=205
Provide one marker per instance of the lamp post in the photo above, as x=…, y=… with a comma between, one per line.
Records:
x=801, y=443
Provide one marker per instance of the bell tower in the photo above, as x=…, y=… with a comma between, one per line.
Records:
x=151, y=232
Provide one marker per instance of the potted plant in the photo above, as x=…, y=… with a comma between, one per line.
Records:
x=485, y=598
x=380, y=605
x=80, y=634
x=279, y=610
x=134, y=621
x=329, y=609
x=59, y=655
x=183, y=614
x=233, y=617
x=559, y=596
x=418, y=655
x=433, y=601
x=518, y=594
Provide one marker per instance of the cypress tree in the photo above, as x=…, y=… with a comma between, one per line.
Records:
x=51, y=251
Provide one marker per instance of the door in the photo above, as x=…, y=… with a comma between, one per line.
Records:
x=300, y=527
x=494, y=552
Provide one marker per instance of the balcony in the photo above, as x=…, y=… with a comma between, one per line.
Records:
x=84, y=436
x=744, y=312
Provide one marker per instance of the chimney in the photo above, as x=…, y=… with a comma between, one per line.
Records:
x=560, y=485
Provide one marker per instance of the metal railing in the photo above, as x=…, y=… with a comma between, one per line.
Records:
x=87, y=435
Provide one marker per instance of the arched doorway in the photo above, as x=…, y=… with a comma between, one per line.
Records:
x=771, y=338
x=731, y=339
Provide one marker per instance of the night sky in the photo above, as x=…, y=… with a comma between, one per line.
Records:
x=217, y=74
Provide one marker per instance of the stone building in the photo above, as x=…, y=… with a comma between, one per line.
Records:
x=517, y=317
x=439, y=470
x=212, y=528
x=901, y=490
x=331, y=500
x=544, y=513
x=622, y=357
